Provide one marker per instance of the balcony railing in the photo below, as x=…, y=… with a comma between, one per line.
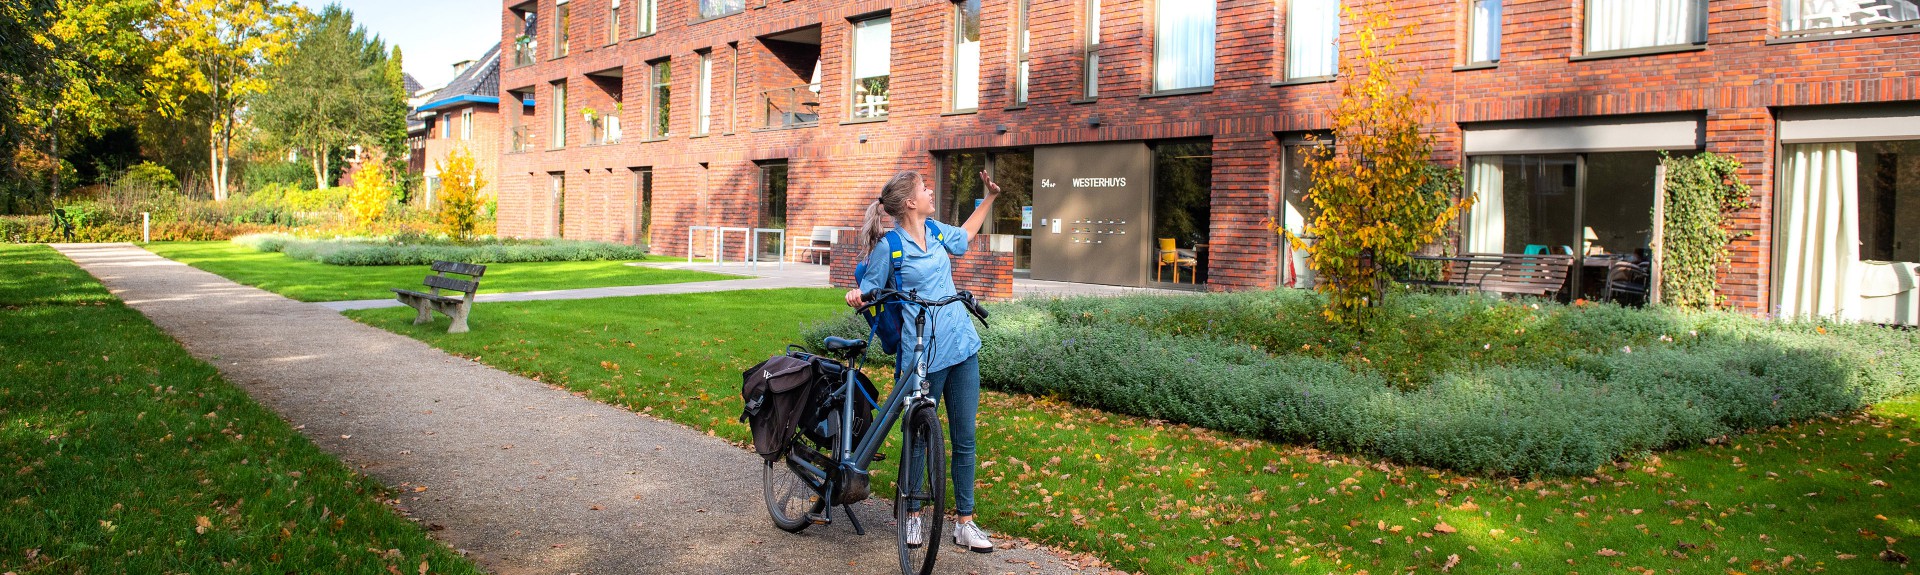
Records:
x=522, y=139
x=791, y=106
x=604, y=130
x=870, y=97
x=1836, y=17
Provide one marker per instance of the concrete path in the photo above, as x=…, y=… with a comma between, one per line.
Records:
x=527, y=478
x=760, y=277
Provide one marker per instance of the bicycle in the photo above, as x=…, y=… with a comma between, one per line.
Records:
x=816, y=477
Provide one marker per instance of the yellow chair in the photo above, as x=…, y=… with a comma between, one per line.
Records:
x=1170, y=256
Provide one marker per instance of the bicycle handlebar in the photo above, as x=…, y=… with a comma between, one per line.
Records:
x=883, y=295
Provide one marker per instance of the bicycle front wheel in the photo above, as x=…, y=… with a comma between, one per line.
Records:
x=920, y=497
x=790, y=497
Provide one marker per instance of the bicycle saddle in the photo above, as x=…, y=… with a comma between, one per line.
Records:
x=844, y=344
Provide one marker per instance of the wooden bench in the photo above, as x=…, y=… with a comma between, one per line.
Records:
x=1542, y=275
x=817, y=246
x=455, y=308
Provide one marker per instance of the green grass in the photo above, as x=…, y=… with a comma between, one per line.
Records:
x=121, y=453
x=311, y=281
x=1159, y=498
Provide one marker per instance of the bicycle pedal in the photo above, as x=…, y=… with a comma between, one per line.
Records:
x=818, y=519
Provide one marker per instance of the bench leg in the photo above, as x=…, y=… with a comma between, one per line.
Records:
x=459, y=317
x=426, y=312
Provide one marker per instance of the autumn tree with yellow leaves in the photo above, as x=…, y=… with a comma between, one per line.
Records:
x=212, y=56
x=1377, y=197
x=460, y=185
x=369, y=196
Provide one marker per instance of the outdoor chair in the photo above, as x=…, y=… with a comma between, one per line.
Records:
x=1625, y=278
x=1171, y=256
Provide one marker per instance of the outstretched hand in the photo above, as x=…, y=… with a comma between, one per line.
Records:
x=993, y=189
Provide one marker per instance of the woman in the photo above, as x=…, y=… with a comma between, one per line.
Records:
x=953, y=363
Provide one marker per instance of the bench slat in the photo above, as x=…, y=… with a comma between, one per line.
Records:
x=447, y=283
x=427, y=296
x=465, y=269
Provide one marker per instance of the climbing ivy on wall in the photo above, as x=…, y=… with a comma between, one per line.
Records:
x=1701, y=193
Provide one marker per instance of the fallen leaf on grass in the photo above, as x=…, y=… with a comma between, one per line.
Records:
x=1451, y=561
x=1605, y=552
x=1444, y=528
x=1891, y=556
x=202, y=524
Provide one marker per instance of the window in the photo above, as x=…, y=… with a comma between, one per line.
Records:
x=646, y=18
x=1182, y=209
x=466, y=124
x=1296, y=177
x=613, y=21
x=705, y=91
x=1847, y=16
x=1183, y=45
x=718, y=8
x=662, y=100
x=446, y=126
x=872, y=62
x=966, y=55
x=1022, y=42
x=1090, y=59
x=563, y=19
x=1313, y=39
x=559, y=114
x=1631, y=24
x=557, y=202
x=642, y=206
x=1483, y=38
x=773, y=194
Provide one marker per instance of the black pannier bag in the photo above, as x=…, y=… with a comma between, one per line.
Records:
x=778, y=394
x=823, y=424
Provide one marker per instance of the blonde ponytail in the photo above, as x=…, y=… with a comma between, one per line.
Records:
x=893, y=202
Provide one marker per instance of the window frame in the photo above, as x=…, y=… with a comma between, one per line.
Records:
x=558, y=130
x=1475, y=26
x=613, y=22
x=1090, y=53
x=660, y=98
x=703, y=94
x=1153, y=80
x=642, y=187
x=1698, y=42
x=646, y=19
x=700, y=10
x=466, y=124
x=562, y=34
x=853, y=51
x=953, y=59
x=1286, y=56
x=1022, y=52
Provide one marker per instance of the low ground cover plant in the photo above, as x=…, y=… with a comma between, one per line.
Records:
x=1453, y=381
x=312, y=281
x=1156, y=496
x=124, y=454
x=423, y=249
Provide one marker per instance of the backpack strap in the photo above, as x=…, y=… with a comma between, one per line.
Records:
x=897, y=254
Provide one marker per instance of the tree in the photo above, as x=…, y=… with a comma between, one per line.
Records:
x=460, y=185
x=1376, y=197
x=213, y=54
x=333, y=89
x=369, y=196
x=69, y=70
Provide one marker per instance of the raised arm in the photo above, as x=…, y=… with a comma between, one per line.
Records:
x=979, y=217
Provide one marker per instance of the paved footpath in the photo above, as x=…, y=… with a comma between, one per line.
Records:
x=525, y=477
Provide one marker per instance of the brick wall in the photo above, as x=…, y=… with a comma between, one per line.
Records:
x=489, y=128
x=1736, y=81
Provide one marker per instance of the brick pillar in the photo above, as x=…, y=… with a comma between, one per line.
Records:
x=1747, y=134
x=1242, y=251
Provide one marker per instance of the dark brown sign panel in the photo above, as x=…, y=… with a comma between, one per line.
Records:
x=1091, y=219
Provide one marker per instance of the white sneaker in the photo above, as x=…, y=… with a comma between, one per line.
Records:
x=972, y=537
x=916, y=531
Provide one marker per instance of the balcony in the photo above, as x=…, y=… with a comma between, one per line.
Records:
x=1811, y=18
x=603, y=130
x=790, y=107
x=522, y=139
x=524, y=48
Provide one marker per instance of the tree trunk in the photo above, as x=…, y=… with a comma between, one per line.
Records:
x=320, y=171
x=215, y=179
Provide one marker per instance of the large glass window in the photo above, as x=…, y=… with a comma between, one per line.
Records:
x=1846, y=16
x=1090, y=60
x=646, y=17
x=1183, y=45
x=1022, y=41
x=1889, y=175
x=557, y=202
x=1483, y=42
x=961, y=191
x=1632, y=24
x=1182, y=210
x=660, y=118
x=1847, y=243
x=1597, y=207
x=562, y=25
x=1313, y=38
x=966, y=55
x=705, y=90
x=559, y=115
x=1296, y=178
x=773, y=194
x=642, y=206
x=718, y=8
x=872, y=67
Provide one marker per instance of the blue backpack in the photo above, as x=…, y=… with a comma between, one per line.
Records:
x=887, y=320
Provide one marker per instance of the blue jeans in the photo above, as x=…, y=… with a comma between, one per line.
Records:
x=958, y=388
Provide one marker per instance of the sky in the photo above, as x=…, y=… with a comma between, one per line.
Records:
x=432, y=34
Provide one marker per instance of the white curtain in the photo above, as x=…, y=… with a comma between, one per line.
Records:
x=1486, y=31
x=872, y=48
x=966, y=76
x=706, y=92
x=1818, y=242
x=1183, y=45
x=1313, y=38
x=1813, y=14
x=1627, y=24
x=1487, y=221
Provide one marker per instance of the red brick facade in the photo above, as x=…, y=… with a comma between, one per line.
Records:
x=1738, y=81
x=484, y=142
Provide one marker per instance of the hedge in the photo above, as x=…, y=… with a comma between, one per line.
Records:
x=414, y=250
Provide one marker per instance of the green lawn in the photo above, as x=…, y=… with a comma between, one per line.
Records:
x=121, y=453
x=311, y=281
x=1160, y=498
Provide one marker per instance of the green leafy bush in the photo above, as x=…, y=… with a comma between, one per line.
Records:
x=416, y=249
x=1620, y=383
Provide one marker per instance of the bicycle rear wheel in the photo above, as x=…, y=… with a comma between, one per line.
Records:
x=921, y=490
x=790, y=496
